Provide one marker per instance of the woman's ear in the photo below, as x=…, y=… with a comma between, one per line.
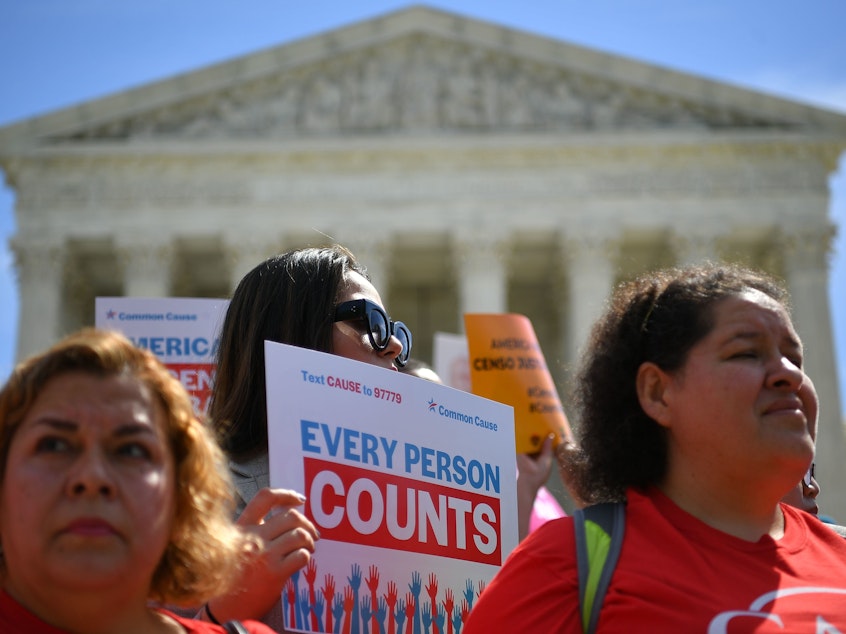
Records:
x=652, y=383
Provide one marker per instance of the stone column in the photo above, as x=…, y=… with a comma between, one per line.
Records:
x=40, y=268
x=589, y=262
x=806, y=272
x=147, y=267
x=482, y=274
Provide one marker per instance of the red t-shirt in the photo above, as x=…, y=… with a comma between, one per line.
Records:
x=16, y=619
x=675, y=574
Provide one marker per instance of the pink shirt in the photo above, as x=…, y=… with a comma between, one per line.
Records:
x=545, y=508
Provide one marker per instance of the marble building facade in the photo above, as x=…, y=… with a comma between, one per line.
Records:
x=471, y=167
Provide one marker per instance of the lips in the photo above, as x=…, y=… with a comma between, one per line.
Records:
x=90, y=527
x=785, y=406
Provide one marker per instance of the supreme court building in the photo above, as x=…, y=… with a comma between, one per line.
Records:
x=471, y=167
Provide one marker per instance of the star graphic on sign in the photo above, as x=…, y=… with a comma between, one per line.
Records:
x=432, y=405
x=111, y=314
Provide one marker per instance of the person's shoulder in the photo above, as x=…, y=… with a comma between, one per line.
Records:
x=824, y=528
x=549, y=536
x=194, y=626
x=556, y=524
x=16, y=618
x=830, y=523
x=815, y=528
x=551, y=547
x=254, y=627
x=840, y=530
x=250, y=465
x=536, y=590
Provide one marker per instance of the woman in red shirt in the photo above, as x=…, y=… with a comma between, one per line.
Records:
x=696, y=413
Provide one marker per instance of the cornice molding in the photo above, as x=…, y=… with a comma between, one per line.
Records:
x=469, y=150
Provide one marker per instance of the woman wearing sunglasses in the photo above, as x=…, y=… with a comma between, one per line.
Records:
x=317, y=298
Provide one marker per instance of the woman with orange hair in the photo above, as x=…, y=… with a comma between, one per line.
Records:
x=114, y=497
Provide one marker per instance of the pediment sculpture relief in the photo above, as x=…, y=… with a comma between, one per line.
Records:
x=423, y=84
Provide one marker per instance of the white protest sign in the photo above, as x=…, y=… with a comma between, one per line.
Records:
x=410, y=483
x=182, y=332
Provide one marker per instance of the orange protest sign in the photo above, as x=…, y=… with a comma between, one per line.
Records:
x=507, y=365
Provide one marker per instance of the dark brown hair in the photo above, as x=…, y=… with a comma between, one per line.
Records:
x=289, y=298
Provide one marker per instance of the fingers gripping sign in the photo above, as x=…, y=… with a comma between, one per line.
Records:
x=287, y=541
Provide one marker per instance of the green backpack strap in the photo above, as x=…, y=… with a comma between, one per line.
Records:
x=599, y=533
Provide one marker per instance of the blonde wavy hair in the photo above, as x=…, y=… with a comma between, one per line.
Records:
x=206, y=548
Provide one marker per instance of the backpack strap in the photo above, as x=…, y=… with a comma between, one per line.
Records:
x=235, y=627
x=599, y=531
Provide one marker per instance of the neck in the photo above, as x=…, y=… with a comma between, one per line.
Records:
x=745, y=512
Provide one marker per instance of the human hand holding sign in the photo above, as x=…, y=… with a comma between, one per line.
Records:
x=532, y=473
x=287, y=539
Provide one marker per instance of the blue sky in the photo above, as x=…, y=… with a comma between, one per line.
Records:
x=55, y=53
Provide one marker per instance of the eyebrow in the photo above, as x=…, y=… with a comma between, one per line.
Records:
x=133, y=429
x=57, y=423
x=126, y=429
x=753, y=334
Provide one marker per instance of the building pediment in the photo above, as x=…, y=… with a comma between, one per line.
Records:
x=419, y=71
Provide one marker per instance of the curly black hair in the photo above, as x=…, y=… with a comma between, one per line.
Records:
x=656, y=318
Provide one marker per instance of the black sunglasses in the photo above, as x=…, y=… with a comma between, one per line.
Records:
x=380, y=328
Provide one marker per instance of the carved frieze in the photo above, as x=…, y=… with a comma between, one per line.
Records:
x=422, y=83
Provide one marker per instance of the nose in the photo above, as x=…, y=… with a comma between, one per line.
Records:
x=785, y=374
x=90, y=476
x=393, y=349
